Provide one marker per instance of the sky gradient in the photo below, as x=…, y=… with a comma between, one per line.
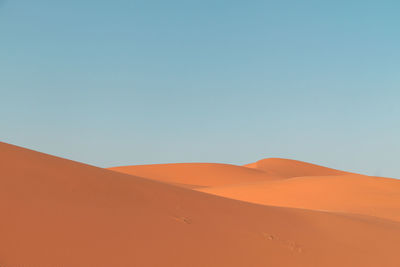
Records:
x=134, y=82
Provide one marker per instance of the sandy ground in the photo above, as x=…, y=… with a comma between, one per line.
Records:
x=57, y=212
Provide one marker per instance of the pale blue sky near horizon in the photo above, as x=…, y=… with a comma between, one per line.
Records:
x=134, y=82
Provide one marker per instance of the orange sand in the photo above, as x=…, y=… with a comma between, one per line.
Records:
x=56, y=212
x=287, y=168
x=357, y=194
x=197, y=174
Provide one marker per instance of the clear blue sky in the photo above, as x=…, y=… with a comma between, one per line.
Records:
x=154, y=81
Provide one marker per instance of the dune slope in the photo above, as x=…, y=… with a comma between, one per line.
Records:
x=196, y=174
x=374, y=196
x=57, y=212
x=287, y=168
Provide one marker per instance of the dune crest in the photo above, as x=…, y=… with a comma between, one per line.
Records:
x=287, y=168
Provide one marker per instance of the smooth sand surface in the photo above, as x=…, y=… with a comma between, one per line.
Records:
x=197, y=174
x=287, y=168
x=374, y=196
x=56, y=212
x=279, y=182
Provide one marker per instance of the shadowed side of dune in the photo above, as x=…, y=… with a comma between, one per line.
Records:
x=57, y=212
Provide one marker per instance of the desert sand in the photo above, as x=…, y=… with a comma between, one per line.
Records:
x=359, y=194
x=195, y=175
x=57, y=212
x=287, y=168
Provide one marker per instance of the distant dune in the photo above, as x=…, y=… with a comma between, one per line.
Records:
x=287, y=168
x=284, y=182
x=57, y=212
x=197, y=174
x=358, y=194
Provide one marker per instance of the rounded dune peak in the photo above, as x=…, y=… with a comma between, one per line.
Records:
x=287, y=168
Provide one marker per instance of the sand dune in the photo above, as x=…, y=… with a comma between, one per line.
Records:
x=56, y=212
x=374, y=196
x=287, y=168
x=266, y=182
x=193, y=175
x=197, y=174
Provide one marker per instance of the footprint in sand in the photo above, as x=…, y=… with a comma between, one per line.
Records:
x=182, y=219
x=289, y=244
